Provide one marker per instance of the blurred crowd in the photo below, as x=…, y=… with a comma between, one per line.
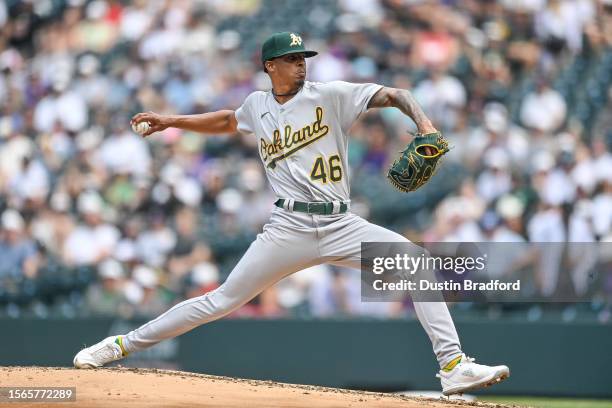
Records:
x=522, y=88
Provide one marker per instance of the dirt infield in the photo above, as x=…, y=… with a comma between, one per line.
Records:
x=126, y=387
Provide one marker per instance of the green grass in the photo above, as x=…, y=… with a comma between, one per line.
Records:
x=543, y=402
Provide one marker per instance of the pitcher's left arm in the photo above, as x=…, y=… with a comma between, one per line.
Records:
x=403, y=100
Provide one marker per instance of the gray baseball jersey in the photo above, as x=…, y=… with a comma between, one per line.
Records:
x=303, y=146
x=303, y=142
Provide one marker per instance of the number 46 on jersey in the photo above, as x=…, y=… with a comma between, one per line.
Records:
x=324, y=170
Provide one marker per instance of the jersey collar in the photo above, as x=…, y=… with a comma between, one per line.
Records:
x=290, y=101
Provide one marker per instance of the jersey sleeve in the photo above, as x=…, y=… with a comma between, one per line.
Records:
x=244, y=116
x=351, y=100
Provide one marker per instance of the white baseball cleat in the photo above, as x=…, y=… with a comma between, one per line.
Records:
x=108, y=350
x=468, y=376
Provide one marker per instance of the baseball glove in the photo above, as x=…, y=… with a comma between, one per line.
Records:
x=418, y=162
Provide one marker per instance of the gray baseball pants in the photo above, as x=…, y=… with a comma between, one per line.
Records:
x=290, y=242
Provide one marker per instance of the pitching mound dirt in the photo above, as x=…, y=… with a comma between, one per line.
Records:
x=126, y=387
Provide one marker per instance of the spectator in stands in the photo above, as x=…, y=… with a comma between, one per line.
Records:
x=511, y=210
x=30, y=181
x=18, y=254
x=602, y=160
x=376, y=156
x=547, y=226
x=561, y=24
x=603, y=122
x=144, y=294
x=61, y=105
x=93, y=240
x=124, y=152
x=442, y=97
x=106, y=296
x=602, y=211
x=544, y=110
x=155, y=243
x=52, y=225
x=495, y=179
x=15, y=153
x=188, y=251
x=204, y=277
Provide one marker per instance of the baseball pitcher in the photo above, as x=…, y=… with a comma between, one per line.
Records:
x=301, y=129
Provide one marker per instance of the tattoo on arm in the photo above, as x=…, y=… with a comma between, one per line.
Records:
x=404, y=101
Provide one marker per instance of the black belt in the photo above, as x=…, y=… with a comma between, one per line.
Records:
x=334, y=207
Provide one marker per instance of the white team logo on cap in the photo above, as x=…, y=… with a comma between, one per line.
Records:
x=295, y=40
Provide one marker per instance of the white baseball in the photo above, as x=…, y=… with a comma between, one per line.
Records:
x=141, y=128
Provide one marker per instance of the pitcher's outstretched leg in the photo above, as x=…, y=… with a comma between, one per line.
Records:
x=276, y=253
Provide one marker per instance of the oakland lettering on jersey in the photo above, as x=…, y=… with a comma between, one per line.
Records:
x=294, y=141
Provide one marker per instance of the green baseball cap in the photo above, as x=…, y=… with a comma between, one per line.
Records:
x=284, y=43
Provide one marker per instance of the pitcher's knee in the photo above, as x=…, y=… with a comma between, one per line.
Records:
x=216, y=304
